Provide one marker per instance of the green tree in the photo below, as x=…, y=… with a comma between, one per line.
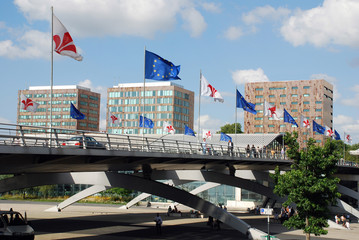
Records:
x=230, y=128
x=310, y=184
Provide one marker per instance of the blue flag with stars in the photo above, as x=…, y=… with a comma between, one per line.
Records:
x=148, y=123
x=188, y=131
x=76, y=114
x=157, y=68
x=318, y=128
x=288, y=118
x=242, y=103
x=225, y=137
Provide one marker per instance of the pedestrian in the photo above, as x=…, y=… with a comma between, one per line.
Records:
x=248, y=150
x=230, y=147
x=336, y=219
x=253, y=151
x=210, y=222
x=158, y=221
x=282, y=153
x=204, y=146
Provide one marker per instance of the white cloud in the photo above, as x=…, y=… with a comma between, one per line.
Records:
x=260, y=14
x=4, y=120
x=335, y=22
x=140, y=18
x=193, y=22
x=348, y=125
x=343, y=120
x=33, y=44
x=209, y=123
x=211, y=7
x=353, y=101
x=233, y=33
x=250, y=75
x=330, y=79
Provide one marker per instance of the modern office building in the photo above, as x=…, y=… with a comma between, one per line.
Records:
x=311, y=98
x=82, y=98
x=163, y=101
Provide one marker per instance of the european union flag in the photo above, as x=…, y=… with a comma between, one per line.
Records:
x=188, y=131
x=247, y=106
x=148, y=122
x=225, y=137
x=157, y=68
x=336, y=135
x=288, y=118
x=75, y=113
x=318, y=128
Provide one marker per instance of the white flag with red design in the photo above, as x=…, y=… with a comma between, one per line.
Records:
x=272, y=111
x=347, y=138
x=304, y=122
x=113, y=119
x=206, y=134
x=64, y=44
x=168, y=128
x=27, y=104
x=208, y=90
x=329, y=132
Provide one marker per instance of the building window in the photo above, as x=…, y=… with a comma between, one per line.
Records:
x=259, y=96
x=305, y=110
x=294, y=95
x=306, y=87
x=294, y=110
x=282, y=125
x=258, y=126
x=70, y=94
x=283, y=95
x=306, y=102
x=293, y=88
x=39, y=95
x=271, y=96
x=259, y=89
x=93, y=98
x=306, y=95
x=93, y=105
x=83, y=96
x=318, y=117
x=277, y=88
x=318, y=109
x=294, y=103
x=83, y=103
x=259, y=103
x=282, y=103
x=318, y=102
x=258, y=118
x=294, y=126
x=271, y=125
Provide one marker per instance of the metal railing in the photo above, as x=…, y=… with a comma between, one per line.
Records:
x=36, y=136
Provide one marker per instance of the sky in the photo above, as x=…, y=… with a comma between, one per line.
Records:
x=232, y=42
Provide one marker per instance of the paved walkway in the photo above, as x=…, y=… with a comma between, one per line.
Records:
x=108, y=222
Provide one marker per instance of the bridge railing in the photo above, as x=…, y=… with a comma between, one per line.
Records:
x=31, y=136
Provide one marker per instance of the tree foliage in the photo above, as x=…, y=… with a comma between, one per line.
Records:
x=310, y=184
x=230, y=128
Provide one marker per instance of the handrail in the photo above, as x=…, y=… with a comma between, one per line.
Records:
x=22, y=135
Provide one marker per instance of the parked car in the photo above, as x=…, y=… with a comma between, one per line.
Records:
x=77, y=142
x=14, y=226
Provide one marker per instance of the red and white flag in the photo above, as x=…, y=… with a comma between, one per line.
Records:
x=347, y=138
x=208, y=90
x=64, y=44
x=304, y=122
x=272, y=111
x=27, y=104
x=112, y=118
x=329, y=132
x=206, y=134
x=168, y=128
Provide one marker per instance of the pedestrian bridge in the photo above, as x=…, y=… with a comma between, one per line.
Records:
x=38, y=157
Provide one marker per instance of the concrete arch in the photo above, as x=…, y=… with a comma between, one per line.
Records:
x=132, y=182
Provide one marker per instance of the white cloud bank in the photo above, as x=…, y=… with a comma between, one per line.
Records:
x=99, y=18
x=334, y=22
x=250, y=75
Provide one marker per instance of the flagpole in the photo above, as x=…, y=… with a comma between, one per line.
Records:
x=144, y=95
x=235, y=118
x=52, y=70
x=344, y=147
x=199, y=106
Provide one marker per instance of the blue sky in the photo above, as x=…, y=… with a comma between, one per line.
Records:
x=232, y=42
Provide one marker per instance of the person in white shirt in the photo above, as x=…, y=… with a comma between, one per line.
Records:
x=158, y=221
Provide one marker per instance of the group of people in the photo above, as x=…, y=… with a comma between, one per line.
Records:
x=285, y=214
x=257, y=152
x=206, y=148
x=344, y=221
x=172, y=210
